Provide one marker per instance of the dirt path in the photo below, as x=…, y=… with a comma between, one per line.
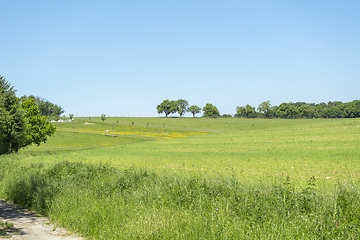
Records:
x=28, y=225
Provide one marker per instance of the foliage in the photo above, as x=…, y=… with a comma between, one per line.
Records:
x=290, y=110
x=210, y=111
x=20, y=122
x=247, y=111
x=167, y=107
x=50, y=110
x=103, y=117
x=71, y=116
x=37, y=126
x=265, y=109
x=12, y=124
x=182, y=106
x=194, y=109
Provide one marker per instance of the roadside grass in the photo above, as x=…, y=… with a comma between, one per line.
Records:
x=5, y=227
x=244, y=179
x=103, y=202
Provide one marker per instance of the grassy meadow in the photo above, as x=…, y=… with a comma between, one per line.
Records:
x=186, y=178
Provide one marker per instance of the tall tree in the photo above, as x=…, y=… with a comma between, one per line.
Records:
x=265, y=109
x=167, y=107
x=12, y=124
x=20, y=122
x=38, y=127
x=194, y=109
x=210, y=111
x=182, y=106
x=48, y=109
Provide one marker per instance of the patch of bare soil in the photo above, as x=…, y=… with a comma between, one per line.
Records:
x=88, y=123
x=28, y=225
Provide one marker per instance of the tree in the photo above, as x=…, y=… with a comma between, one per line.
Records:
x=20, y=122
x=71, y=116
x=103, y=117
x=194, y=110
x=167, y=107
x=265, y=108
x=247, y=111
x=48, y=109
x=37, y=126
x=306, y=111
x=182, y=106
x=12, y=124
x=210, y=111
x=240, y=112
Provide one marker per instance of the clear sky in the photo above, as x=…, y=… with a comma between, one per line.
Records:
x=124, y=58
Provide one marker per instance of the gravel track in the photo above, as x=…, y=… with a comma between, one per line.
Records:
x=28, y=225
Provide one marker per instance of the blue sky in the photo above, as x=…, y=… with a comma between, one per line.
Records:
x=124, y=58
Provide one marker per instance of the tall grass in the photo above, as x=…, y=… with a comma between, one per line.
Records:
x=102, y=202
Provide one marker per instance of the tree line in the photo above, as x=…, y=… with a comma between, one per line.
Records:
x=290, y=110
x=181, y=106
x=22, y=123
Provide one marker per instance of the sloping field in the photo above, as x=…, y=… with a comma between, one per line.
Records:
x=194, y=178
x=249, y=148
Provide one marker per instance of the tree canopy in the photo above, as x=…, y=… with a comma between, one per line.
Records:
x=210, y=111
x=290, y=110
x=182, y=106
x=50, y=110
x=194, y=109
x=20, y=121
x=167, y=107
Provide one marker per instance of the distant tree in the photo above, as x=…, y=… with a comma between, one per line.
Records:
x=240, y=112
x=48, y=109
x=306, y=111
x=352, y=109
x=194, y=110
x=226, y=116
x=167, y=107
x=265, y=109
x=71, y=116
x=103, y=117
x=210, y=111
x=182, y=106
x=247, y=111
x=287, y=110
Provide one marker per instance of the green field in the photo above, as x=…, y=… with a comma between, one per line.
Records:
x=196, y=178
x=253, y=149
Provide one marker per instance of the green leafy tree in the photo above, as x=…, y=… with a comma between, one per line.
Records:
x=194, y=109
x=265, y=109
x=240, y=112
x=38, y=127
x=183, y=106
x=306, y=111
x=210, y=111
x=167, y=107
x=71, y=116
x=20, y=122
x=12, y=124
x=103, y=117
x=287, y=110
x=48, y=109
x=247, y=111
